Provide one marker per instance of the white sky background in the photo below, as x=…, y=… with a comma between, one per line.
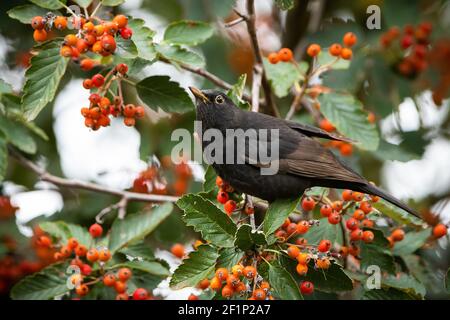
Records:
x=110, y=156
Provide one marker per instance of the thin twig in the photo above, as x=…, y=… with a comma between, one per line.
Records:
x=96, y=8
x=256, y=85
x=234, y=22
x=76, y=184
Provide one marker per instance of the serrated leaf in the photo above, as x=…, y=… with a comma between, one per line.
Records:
x=229, y=257
x=49, y=4
x=412, y=242
x=27, y=12
x=3, y=156
x=283, y=283
x=112, y=3
x=17, y=135
x=160, y=92
x=126, y=48
x=136, y=226
x=188, y=32
x=347, y=115
x=180, y=55
x=324, y=230
x=278, y=211
x=200, y=264
x=42, y=78
x=285, y=4
x=143, y=39
x=43, y=285
x=406, y=283
x=397, y=214
x=214, y=224
x=282, y=76
x=246, y=238
x=210, y=179
x=152, y=267
x=374, y=255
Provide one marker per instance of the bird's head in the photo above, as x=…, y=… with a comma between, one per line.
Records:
x=212, y=104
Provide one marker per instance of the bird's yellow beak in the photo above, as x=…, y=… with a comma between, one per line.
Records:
x=199, y=94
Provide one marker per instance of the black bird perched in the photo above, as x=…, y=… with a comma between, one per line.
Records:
x=303, y=162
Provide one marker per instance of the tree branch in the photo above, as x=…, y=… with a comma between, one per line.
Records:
x=125, y=196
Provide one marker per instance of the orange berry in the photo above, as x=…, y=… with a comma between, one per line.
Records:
x=273, y=58
x=120, y=287
x=293, y=251
x=356, y=235
x=337, y=205
x=286, y=222
x=216, y=284
x=124, y=274
x=326, y=125
x=259, y=294
x=368, y=236
x=285, y=54
x=249, y=272
x=237, y=270
x=323, y=263
x=371, y=117
x=204, y=284
x=111, y=28
x=357, y=196
x=120, y=20
x=60, y=23
x=122, y=296
x=359, y=214
x=335, y=49
x=40, y=35
x=334, y=218
x=65, y=251
x=80, y=250
x=82, y=45
x=302, y=227
x=366, y=223
x=324, y=245
x=99, y=30
x=347, y=195
x=440, y=230
x=104, y=255
x=178, y=250
x=72, y=243
x=349, y=39
x=232, y=280
x=241, y=288
x=222, y=274
x=302, y=269
x=87, y=64
x=129, y=122
x=227, y=291
x=229, y=206
x=313, y=50
x=365, y=206
x=70, y=40
x=192, y=297
x=398, y=235
x=352, y=224
x=44, y=241
x=109, y=279
x=82, y=290
x=346, y=149
x=38, y=23
x=308, y=203
x=346, y=53
x=325, y=210
x=303, y=258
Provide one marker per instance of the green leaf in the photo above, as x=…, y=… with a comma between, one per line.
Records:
x=210, y=179
x=324, y=230
x=199, y=265
x=112, y=3
x=389, y=294
x=317, y=191
x=126, y=48
x=285, y=4
x=139, y=250
x=43, y=285
x=236, y=92
x=3, y=156
x=283, y=75
x=143, y=39
x=188, y=32
x=136, y=226
x=374, y=255
x=325, y=57
x=406, y=283
x=411, y=242
x=160, y=92
x=42, y=78
x=229, y=257
x=214, y=224
x=5, y=87
x=17, y=116
x=278, y=211
x=180, y=55
x=17, y=135
x=27, y=12
x=152, y=267
x=57, y=229
x=80, y=233
x=397, y=214
x=49, y=4
x=246, y=238
x=347, y=115
x=447, y=280
x=389, y=151
x=283, y=283
x=83, y=3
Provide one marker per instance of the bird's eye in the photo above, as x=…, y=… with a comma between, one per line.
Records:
x=219, y=99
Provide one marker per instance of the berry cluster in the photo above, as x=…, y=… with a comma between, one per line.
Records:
x=153, y=181
x=336, y=50
x=98, y=38
x=230, y=205
x=345, y=148
x=85, y=259
x=410, y=46
x=284, y=54
x=101, y=107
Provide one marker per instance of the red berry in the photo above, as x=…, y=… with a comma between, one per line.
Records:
x=126, y=33
x=302, y=227
x=86, y=269
x=368, y=236
x=178, y=250
x=347, y=195
x=124, y=274
x=352, y=224
x=334, y=218
x=230, y=206
x=308, y=203
x=406, y=41
x=98, y=80
x=95, y=230
x=325, y=210
x=324, y=245
x=95, y=98
x=122, y=68
x=356, y=235
x=87, y=84
x=222, y=197
x=439, y=230
x=307, y=287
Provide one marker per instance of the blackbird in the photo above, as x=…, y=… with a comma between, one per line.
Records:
x=303, y=161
